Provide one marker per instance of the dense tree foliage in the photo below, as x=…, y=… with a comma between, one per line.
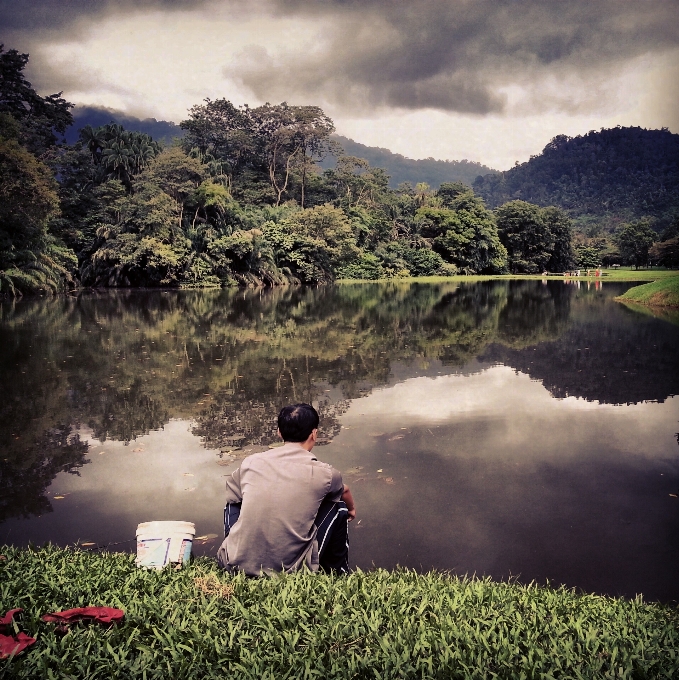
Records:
x=537, y=239
x=463, y=231
x=242, y=199
x=610, y=175
x=634, y=241
x=666, y=251
x=31, y=258
x=39, y=119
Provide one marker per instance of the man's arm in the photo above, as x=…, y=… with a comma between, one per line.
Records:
x=233, y=491
x=349, y=500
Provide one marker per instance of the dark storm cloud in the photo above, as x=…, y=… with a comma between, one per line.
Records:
x=454, y=55
x=30, y=15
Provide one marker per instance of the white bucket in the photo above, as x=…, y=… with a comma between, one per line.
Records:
x=159, y=543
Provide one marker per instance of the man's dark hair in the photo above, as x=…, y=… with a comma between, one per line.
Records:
x=296, y=422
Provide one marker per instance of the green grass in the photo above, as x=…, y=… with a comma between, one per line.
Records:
x=375, y=624
x=623, y=274
x=631, y=274
x=661, y=293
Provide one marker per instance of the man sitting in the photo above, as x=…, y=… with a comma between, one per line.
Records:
x=285, y=508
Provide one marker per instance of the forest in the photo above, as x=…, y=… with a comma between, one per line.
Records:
x=602, y=178
x=242, y=199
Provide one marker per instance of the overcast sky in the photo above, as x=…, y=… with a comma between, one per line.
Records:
x=487, y=80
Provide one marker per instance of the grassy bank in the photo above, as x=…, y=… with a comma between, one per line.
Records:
x=199, y=623
x=661, y=293
x=623, y=274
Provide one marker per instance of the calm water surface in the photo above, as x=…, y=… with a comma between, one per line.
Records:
x=505, y=428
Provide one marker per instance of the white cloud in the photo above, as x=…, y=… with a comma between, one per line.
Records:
x=526, y=419
x=156, y=63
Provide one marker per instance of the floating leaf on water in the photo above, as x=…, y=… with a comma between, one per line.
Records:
x=674, y=495
x=58, y=498
x=354, y=470
x=137, y=450
x=88, y=543
x=377, y=434
x=395, y=437
x=380, y=470
x=101, y=453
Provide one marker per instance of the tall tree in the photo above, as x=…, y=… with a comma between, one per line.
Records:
x=464, y=232
x=222, y=130
x=525, y=235
x=634, y=241
x=40, y=117
x=274, y=128
x=118, y=153
x=312, y=130
x=30, y=258
x=561, y=228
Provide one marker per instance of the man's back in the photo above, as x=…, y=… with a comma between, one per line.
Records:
x=281, y=491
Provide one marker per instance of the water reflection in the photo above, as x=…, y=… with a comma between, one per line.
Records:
x=488, y=473
x=103, y=506
x=118, y=367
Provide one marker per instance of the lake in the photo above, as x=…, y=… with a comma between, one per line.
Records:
x=520, y=429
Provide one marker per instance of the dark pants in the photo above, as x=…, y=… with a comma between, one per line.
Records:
x=332, y=536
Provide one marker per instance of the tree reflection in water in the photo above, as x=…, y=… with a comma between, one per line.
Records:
x=118, y=365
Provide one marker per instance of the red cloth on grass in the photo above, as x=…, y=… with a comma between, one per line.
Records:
x=98, y=614
x=8, y=618
x=12, y=644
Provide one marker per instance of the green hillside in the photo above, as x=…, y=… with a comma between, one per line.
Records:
x=401, y=169
x=610, y=176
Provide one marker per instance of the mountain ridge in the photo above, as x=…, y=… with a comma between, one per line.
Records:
x=403, y=169
x=606, y=176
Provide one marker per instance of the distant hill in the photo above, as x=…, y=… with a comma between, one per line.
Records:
x=160, y=130
x=607, y=177
x=402, y=169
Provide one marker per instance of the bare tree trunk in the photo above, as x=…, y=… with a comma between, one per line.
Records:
x=272, y=176
x=303, y=173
